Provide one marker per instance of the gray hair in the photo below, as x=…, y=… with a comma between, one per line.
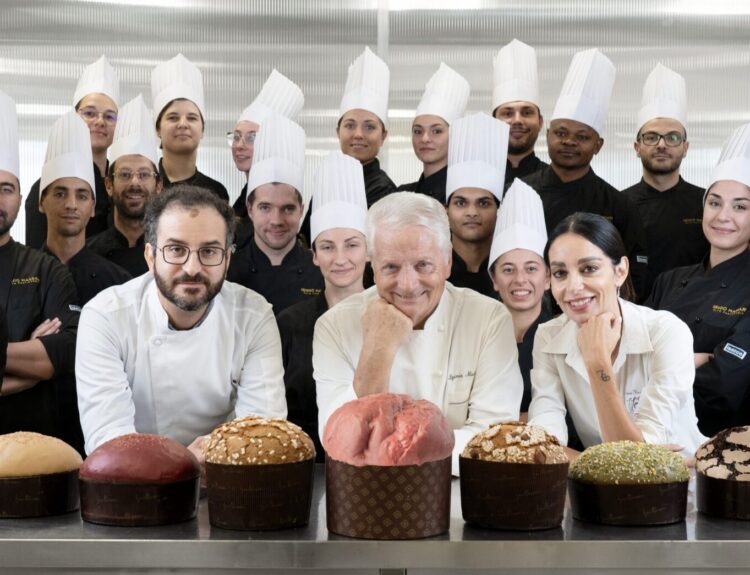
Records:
x=401, y=210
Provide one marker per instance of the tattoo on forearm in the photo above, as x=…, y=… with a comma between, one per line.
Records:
x=603, y=375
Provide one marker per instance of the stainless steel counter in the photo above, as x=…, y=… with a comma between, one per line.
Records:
x=66, y=544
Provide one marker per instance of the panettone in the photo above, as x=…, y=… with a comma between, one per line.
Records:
x=515, y=442
x=723, y=474
x=25, y=453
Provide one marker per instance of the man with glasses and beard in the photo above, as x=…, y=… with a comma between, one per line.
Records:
x=177, y=351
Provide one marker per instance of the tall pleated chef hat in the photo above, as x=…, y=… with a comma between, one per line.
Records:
x=98, y=78
x=664, y=96
x=515, y=74
x=9, y=136
x=367, y=86
x=477, y=152
x=338, y=195
x=520, y=223
x=134, y=133
x=279, y=154
x=734, y=161
x=176, y=78
x=587, y=90
x=68, y=152
x=446, y=95
x=278, y=94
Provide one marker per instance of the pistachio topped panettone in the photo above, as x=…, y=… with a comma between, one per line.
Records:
x=515, y=442
x=723, y=474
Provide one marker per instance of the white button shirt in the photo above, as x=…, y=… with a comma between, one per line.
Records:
x=465, y=361
x=135, y=374
x=654, y=370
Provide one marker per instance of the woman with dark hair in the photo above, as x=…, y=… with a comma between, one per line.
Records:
x=622, y=371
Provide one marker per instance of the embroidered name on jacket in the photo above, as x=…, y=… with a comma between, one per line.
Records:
x=735, y=351
x=31, y=280
x=724, y=310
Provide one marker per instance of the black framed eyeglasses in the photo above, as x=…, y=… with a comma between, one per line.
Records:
x=671, y=139
x=178, y=255
x=234, y=138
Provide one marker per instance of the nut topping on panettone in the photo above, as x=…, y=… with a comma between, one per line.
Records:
x=515, y=442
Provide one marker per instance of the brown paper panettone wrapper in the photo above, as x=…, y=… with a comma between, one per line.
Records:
x=514, y=496
x=725, y=498
x=642, y=504
x=138, y=504
x=39, y=495
x=260, y=497
x=387, y=503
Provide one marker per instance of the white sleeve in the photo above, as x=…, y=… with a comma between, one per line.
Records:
x=105, y=401
x=261, y=388
x=547, y=409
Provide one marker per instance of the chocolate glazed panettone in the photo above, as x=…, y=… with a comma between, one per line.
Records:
x=723, y=474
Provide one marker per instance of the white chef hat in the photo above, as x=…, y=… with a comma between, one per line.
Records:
x=520, y=222
x=279, y=154
x=176, y=78
x=68, y=152
x=477, y=152
x=515, y=74
x=367, y=86
x=587, y=89
x=734, y=161
x=9, y=136
x=338, y=195
x=134, y=133
x=446, y=95
x=99, y=77
x=664, y=96
x=278, y=94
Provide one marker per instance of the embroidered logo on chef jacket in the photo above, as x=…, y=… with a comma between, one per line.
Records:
x=310, y=291
x=724, y=310
x=737, y=352
x=641, y=259
x=73, y=307
x=632, y=399
x=689, y=221
x=31, y=280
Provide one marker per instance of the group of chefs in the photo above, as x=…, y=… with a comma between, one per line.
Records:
x=495, y=285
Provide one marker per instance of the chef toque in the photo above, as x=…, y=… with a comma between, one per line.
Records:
x=278, y=94
x=367, y=86
x=9, y=136
x=446, y=95
x=279, y=154
x=520, y=222
x=664, y=96
x=99, y=77
x=134, y=133
x=515, y=74
x=477, y=153
x=68, y=152
x=587, y=89
x=177, y=78
x=734, y=161
x=338, y=195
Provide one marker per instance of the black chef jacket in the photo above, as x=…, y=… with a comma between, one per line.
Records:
x=433, y=186
x=114, y=246
x=478, y=281
x=525, y=359
x=36, y=221
x=3, y=341
x=295, y=280
x=35, y=287
x=592, y=194
x=715, y=305
x=527, y=166
x=240, y=204
x=672, y=220
x=296, y=327
x=197, y=179
x=92, y=273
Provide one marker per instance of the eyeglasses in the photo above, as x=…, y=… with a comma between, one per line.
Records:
x=671, y=139
x=178, y=255
x=92, y=114
x=124, y=176
x=234, y=138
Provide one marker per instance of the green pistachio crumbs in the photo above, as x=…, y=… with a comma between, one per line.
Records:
x=628, y=463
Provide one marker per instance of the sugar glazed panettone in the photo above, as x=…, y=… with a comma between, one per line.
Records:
x=513, y=476
x=723, y=474
x=259, y=474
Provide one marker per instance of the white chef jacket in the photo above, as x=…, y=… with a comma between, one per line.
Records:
x=135, y=374
x=654, y=370
x=465, y=361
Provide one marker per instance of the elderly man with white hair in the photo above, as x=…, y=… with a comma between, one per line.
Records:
x=414, y=332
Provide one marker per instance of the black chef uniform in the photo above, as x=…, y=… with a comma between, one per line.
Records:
x=240, y=204
x=296, y=327
x=479, y=281
x=244, y=224
x=433, y=186
x=295, y=280
x=114, y=246
x=197, y=179
x=36, y=221
x=715, y=305
x=527, y=166
x=3, y=342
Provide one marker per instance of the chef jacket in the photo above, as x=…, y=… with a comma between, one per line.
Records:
x=240, y=204
x=433, y=186
x=480, y=281
x=294, y=280
x=137, y=374
x=114, y=246
x=525, y=360
x=464, y=361
x=714, y=304
x=527, y=166
x=653, y=369
x=3, y=342
x=592, y=194
x=198, y=179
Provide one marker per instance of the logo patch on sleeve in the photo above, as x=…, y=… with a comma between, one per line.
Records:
x=735, y=351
